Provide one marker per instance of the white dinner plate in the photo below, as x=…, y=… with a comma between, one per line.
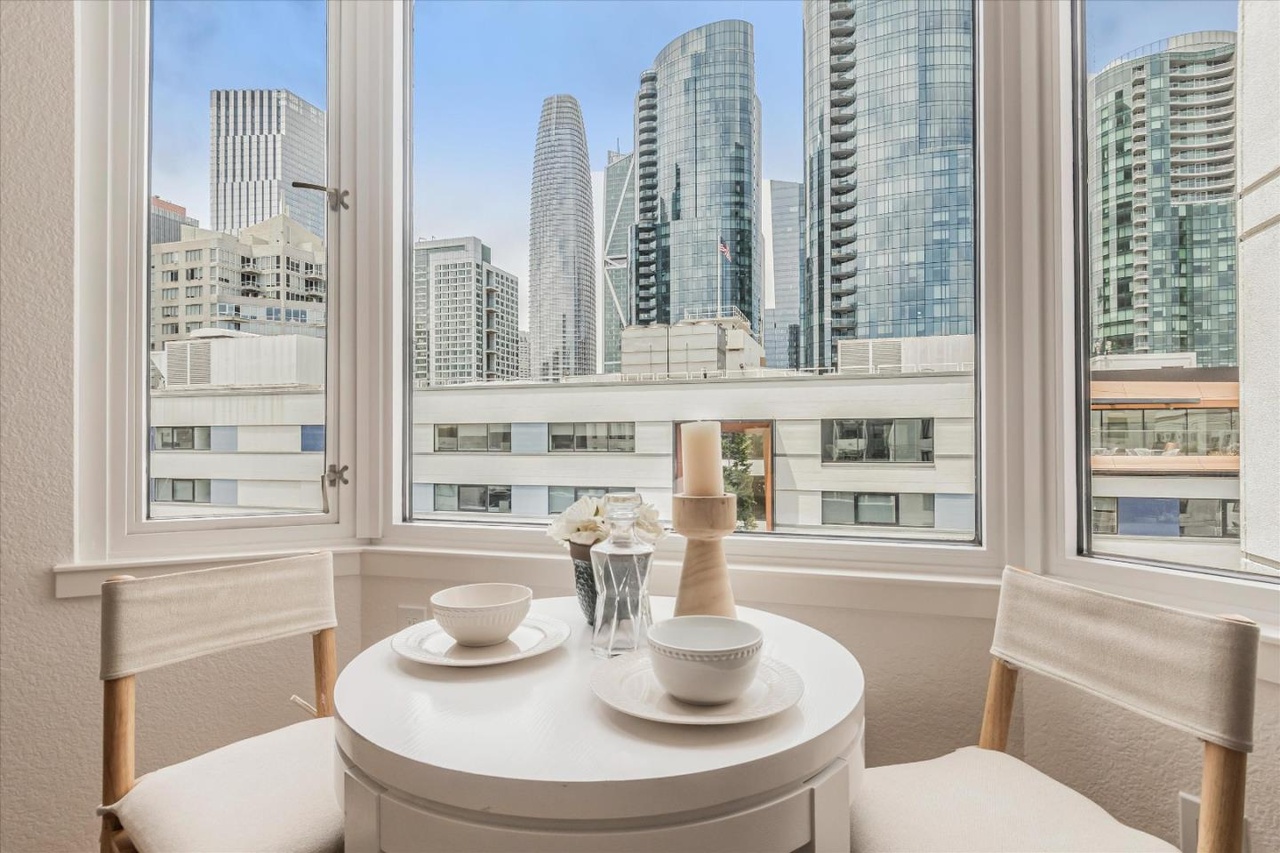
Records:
x=426, y=642
x=627, y=683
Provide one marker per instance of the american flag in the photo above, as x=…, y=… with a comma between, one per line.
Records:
x=724, y=250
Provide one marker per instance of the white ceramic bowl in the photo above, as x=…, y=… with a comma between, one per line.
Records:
x=705, y=660
x=481, y=614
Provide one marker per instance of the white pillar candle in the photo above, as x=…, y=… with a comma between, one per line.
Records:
x=702, y=459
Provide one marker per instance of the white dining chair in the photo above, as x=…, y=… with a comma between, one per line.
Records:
x=1193, y=672
x=274, y=792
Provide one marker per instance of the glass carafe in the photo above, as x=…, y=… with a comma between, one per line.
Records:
x=621, y=565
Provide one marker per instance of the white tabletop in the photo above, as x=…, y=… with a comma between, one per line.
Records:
x=530, y=738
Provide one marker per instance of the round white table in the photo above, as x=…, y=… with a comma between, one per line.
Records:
x=524, y=757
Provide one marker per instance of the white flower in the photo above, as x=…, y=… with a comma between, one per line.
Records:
x=582, y=522
x=648, y=524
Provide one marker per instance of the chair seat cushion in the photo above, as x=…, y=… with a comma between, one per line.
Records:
x=982, y=800
x=274, y=792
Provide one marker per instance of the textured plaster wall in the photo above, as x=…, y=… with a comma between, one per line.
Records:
x=1135, y=767
x=50, y=697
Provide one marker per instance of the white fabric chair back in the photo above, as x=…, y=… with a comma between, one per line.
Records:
x=152, y=622
x=1193, y=672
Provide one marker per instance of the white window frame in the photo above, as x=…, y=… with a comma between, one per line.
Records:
x=1026, y=466
x=112, y=281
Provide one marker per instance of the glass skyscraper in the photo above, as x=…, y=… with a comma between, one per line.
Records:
x=562, y=268
x=889, y=171
x=782, y=339
x=260, y=142
x=697, y=247
x=617, y=302
x=1162, y=238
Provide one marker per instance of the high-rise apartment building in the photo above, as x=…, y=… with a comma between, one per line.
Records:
x=782, y=322
x=889, y=171
x=697, y=246
x=267, y=280
x=562, y=268
x=260, y=142
x=617, y=309
x=167, y=220
x=473, y=308
x=1162, y=181
x=522, y=355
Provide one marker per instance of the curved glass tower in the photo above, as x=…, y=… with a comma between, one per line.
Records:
x=889, y=176
x=1162, y=236
x=562, y=269
x=698, y=249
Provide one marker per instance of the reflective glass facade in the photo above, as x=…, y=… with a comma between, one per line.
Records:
x=782, y=321
x=562, y=269
x=698, y=165
x=617, y=300
x=1162, y=238
x=889, y=169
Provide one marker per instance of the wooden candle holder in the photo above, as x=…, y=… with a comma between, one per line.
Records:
x=704, y=577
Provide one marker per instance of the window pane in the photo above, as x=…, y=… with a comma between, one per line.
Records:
x=446, y=498
x=559, y=498
x=784, y=241
x=473, y=437
x=472, y=499
x=500, y=438
x=233, y=125
x=915, y=510
x=446, y=437
x=1159, y=143
x=876, y=509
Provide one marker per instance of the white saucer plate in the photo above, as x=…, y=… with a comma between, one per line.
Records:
x=426, y=642
x=627, y=684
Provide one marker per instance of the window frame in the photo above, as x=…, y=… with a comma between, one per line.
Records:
x=113, y=105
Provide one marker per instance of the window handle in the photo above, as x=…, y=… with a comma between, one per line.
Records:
x=337, y=197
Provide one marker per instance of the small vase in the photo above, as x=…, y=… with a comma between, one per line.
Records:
x=584, y=580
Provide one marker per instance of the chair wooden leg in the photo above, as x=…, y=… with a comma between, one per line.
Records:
x=998, y=711
x=324, y=652
x=1222, y=800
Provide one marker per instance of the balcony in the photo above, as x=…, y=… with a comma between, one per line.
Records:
x=844, y=80
x=843, y=236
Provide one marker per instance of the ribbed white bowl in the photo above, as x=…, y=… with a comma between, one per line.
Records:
x=705, y=660
x=481, y=614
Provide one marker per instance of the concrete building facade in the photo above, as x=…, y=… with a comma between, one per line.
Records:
x=269, y=280
x=260, y=142
x=472, y=308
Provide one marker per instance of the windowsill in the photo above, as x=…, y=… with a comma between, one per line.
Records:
x=529, y=557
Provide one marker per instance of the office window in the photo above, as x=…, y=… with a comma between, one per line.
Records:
x=194, y=256
x=180, y=438
x=877, y=440
x=169, y=293
x=312, y=438
x=171, y=490
x=592, y=437
x=469, y=498
x=895, y=510
x=560, y=498
x=195, y=291
x=473, y=438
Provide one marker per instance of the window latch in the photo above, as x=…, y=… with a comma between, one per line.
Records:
x=337, y=475
x=337, y=197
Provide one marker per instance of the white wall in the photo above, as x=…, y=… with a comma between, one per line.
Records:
x=51, y=701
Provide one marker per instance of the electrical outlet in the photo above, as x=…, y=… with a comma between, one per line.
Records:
x=1189, y=824
x=412, y=614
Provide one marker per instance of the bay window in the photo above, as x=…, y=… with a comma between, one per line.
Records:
x=931, y=374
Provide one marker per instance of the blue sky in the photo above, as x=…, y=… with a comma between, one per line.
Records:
x=482, y=69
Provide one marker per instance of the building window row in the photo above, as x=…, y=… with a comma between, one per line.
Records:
x=1202, y=518
x=882, y=509
x=172, y=490
x=560, y=498
x=877, y=440
x=473, y=438
x=472, y=498
x=592, y=437
x=227, y=439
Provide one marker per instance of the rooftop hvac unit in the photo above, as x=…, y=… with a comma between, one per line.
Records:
x=188, y=363
x=870, y=357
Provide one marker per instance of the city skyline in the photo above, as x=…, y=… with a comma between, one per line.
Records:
x=452, y=155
